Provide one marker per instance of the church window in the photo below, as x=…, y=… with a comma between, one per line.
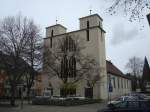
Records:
x=88, y=24
x=68, y=67
x=64, y=67
x=72, y=67
x=87, y=31
x=51, y=39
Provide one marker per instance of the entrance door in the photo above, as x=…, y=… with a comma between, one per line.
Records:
x=89, y=92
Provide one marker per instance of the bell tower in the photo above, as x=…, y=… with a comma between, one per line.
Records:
x=95, y=46
x=90, y=21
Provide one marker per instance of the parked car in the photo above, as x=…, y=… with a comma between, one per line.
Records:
x=140, y=96
x=121, y=99
x=128, y=106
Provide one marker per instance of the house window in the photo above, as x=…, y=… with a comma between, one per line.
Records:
x=127, y=83
x=87, y=31
x=122, y=83
x=114, y=83
x=118, y=83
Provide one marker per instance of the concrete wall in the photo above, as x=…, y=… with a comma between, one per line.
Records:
x=123, y=88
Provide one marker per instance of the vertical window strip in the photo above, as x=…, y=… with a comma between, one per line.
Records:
x=114, y=83
x=87, y=31
x=51, y=39
x=118, y=83
x=74, y=67
x=122, y=82
x=62, y=68
x=70, y=67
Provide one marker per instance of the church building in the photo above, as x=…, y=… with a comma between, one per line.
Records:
x=92, y=34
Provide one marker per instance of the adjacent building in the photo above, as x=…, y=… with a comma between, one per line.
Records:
x=7, y=62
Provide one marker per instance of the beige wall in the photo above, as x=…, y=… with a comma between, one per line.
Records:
x=118, y=91
x=57, y=29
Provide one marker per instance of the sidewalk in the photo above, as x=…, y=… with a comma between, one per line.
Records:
x=42, y=108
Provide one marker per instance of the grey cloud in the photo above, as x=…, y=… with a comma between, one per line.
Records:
x=123, y=34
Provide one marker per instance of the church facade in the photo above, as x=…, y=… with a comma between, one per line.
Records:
x=92, y=34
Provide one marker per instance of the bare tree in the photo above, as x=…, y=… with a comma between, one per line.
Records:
x=134, y=8
x=14, y=38
x=67, y=62
x=135, y=66
x=33, y=55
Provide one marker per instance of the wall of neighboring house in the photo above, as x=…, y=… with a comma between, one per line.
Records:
x=3, y=78
x=120, y=85
x=1, y=86
x=38, y=86
x=147, y=86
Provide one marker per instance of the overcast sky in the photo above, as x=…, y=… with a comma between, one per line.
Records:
x=123, y=38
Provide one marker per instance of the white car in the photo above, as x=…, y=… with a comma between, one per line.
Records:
x=121, y=99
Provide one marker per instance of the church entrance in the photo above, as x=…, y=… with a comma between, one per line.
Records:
x=89, y=92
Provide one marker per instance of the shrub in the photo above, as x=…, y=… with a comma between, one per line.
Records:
x=65, y=102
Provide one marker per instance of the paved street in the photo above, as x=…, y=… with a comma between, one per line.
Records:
x=41, y=108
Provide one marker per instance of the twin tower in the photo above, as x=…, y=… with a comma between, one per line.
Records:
x=92, y=34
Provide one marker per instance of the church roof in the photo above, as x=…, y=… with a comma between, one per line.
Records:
x=91, y=16
x=56, y=25
x=112, y=69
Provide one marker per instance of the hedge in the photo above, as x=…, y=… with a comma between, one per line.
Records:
x=66, y=102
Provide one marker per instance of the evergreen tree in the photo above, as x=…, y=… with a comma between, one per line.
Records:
x=146, y=73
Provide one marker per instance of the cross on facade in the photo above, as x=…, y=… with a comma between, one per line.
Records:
x=56, y=20
x=90, y=11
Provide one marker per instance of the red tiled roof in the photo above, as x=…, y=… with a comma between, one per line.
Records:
x=112, y=69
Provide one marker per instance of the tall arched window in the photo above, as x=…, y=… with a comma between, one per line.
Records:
x=72, y=67
x=64, y=67
x=51, y=39
x=87, y=31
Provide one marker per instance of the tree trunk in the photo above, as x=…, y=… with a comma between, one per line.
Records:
x=28, y=94
x=12, y=100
